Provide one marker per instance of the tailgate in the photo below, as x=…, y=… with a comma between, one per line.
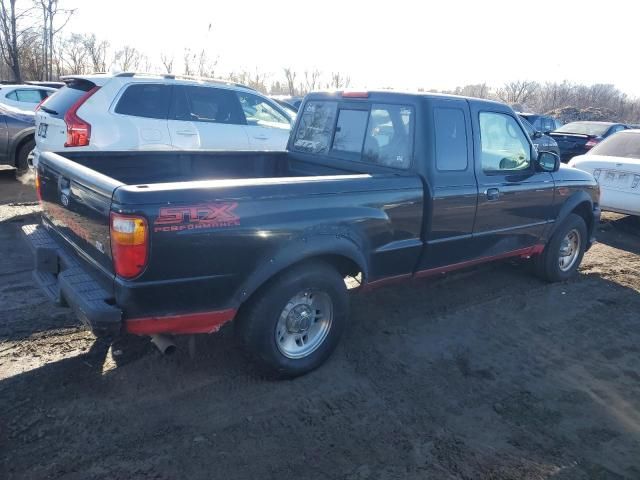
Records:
x=76, y=202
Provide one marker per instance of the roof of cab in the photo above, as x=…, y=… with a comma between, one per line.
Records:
x=377, y=94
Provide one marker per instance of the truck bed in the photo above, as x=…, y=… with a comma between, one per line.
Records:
x=152, y=167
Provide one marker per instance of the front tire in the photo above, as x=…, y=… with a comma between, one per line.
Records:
x=562, y=256
x=295, y=322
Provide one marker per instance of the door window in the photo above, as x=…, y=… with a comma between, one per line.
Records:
x=206, y=104
x=145, y=100
x=389, y=140
x=259, y=112
x=504, y=146
x=451, y=139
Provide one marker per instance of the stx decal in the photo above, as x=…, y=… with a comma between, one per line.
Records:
x=192, y=217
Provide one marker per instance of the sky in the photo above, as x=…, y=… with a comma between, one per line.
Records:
x=399, y=44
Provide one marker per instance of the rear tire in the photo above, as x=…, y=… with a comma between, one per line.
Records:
x=22, y=156
x=563, y=253
x=295, y=322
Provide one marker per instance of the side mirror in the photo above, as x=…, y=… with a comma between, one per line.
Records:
x=548, y=162
x=537, y=134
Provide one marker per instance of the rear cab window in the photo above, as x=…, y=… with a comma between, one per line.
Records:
x=379, y=134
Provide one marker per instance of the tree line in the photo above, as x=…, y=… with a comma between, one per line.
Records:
x=34, y=46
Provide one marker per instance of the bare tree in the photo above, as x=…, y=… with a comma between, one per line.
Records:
x=97, y=52
x=49, y=10
x=311, y=80
x=127, y=58
x=75, y=55
x=9, y=37
x=187, y=59
x=167, y=62
x=290, y=76
x=339, y=81
x=517, y=92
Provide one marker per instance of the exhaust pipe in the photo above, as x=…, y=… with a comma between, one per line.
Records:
x=164, y=343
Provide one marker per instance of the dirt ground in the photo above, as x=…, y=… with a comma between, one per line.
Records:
x=484, y=374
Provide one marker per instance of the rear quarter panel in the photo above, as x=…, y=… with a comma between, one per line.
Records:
x=214, y=242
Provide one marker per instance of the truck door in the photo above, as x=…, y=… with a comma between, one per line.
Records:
x=450, y=213
x=514, y=200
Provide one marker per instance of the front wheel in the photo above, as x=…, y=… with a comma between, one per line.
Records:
x=296, y=320
x=562, y=256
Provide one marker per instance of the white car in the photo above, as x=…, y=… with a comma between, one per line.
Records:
x=24, y=97
x=615, y=163
x=131, y=111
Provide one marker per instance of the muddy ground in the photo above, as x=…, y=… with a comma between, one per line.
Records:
x=484, y=374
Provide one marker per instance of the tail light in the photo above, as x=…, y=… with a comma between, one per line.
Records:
x=351, y=94
x=592, y=142
x=38, y=187
x=129, y=244
x=78, y=130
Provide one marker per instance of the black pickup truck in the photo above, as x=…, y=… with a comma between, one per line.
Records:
x=378, y=186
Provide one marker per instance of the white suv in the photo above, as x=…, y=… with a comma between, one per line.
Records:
x=130, y=111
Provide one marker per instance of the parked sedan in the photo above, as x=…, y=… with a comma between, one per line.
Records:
x=24, y=97
x=577, y=138
x=16, y=137
x=541, y=142
x=542, y=123
x=615, y=163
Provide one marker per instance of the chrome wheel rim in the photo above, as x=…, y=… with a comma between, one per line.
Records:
x=569, y=250
x=30, y=159
x=304, y=323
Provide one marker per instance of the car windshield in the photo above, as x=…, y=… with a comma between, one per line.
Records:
x=585, y=128
x=622, y=144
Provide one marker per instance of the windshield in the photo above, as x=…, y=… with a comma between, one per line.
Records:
x=622, y=144
x=585, y=128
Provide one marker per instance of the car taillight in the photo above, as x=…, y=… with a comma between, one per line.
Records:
x=78, y=130
x=592, y=142
x=129, y=244
x=38, y=187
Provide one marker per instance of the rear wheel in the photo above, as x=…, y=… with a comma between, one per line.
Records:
x=23, y=156
x=562, y=256
x=296, y=320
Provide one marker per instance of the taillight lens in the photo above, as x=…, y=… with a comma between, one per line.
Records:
x=38, y=187
x=78, y=130
x=129, y=244
x=592, y=142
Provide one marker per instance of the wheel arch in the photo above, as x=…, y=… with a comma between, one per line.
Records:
x=18, y=141
x=339, y=252
x=579, y=203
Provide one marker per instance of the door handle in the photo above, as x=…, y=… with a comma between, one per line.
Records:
x=492, y=193
x=186, y=132
x=261, y=137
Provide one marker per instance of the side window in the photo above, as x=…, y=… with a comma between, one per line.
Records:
x=213, y=105
x=451, y=139
x=45, y=94
x=145, y=100
x=350, y=130
x=617, y=128
x=28, y=96
x=504, y=145
x=12, y=95
x=259, y=112
x=316, y=127
x=389, y=139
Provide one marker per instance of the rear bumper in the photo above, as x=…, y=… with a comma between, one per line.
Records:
x=66, y=280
